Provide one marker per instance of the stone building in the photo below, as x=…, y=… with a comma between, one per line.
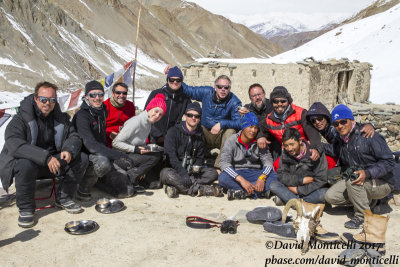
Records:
x=330, y=82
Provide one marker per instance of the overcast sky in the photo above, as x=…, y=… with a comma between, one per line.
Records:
x=248, y=7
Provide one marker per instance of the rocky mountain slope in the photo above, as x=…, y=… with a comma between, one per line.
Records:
x=70, y=42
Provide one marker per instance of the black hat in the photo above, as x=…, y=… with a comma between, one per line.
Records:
x=280, y=92
x=93, y=85
x=194, y=106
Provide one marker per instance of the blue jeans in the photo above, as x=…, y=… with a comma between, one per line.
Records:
x=251, y=175
x=281, y=190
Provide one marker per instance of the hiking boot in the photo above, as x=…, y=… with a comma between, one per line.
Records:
x=69, y=206
x=278, y=201
x=374, y=231
x=83, y=195
x=236, y=194
x=210, y=190
x=264, y=194
x=155, y=185
x=25, y=219
x=171, y=191
x=354, y=223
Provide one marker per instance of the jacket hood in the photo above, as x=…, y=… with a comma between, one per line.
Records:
x=318, y=109
x=171, y=92
x=28, y=113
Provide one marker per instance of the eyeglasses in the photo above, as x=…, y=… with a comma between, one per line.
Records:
x=172, y=80
x=94, y=95
x=190, y=115
x=120, y=93
x=44, y=100
x=254, y=96
x=277, y=101
x=341, y=122
x=226, y=87
x=318, y=118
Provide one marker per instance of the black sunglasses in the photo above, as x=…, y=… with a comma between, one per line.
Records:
x=120, y=93
x=226, y=87
x=94, y=95
x=44, y=100
x=190, y=115
x=341, y=122
x=277, y=101
x=318, y=118
x=172, y=80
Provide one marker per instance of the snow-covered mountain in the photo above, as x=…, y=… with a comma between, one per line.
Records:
x=279, y=24
x=375, y=39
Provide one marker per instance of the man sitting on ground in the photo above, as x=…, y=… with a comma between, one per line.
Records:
x=40, y=141
x=184, y=147
x=246, y=168
x=371, y=163
x=90, y=122
x=220, y=118
x=298, y=175
x=119, y=110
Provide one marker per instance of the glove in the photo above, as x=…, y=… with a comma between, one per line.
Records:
x=137, y=150
x=124, y=163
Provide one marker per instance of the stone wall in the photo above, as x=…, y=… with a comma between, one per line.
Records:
x=308, y=81
x=385, y=118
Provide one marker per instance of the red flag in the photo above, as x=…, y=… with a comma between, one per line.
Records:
x=73, y=102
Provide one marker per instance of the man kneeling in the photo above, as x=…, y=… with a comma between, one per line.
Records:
x=184, y=146
x=298, y=175
x=244, y=164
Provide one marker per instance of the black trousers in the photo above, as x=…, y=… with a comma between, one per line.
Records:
x=144, y=164
x=170, y=176
x=26, y=173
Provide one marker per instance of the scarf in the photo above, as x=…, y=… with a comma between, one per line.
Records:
x=346, y=138
x=115, y=104
x=303, y=151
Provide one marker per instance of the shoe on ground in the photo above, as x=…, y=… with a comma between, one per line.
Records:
x=69, y=206
x=324, y=236
x=139, y=189
x=278, y=201
x=263, y=214
x=83, y=196
x=236, y=194
x=171, y=191
x=25, y=219
x=354, y=223
x=155, y=185
x=279, y=228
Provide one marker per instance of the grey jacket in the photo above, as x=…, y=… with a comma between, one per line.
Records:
x=134, y=133
x=233, y=156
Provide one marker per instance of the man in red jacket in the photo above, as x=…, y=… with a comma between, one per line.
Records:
x=119, y=111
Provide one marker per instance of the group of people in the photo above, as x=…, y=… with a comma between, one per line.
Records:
x=267, y=147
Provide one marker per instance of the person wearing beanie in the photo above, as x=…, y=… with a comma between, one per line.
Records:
x=369, y=161
x=287, y=115
x=220, y=117
x=176, y=101
x=132, y=140
x=90, y=123
x=246, y=169
x=184, y=148
x=119, y=110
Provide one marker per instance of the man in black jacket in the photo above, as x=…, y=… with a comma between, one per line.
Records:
x=372, y=157
x=176, y=101
x=90, y=123
x=259, y=104
x=184, y=147
x=298, y=175
x=40, y=141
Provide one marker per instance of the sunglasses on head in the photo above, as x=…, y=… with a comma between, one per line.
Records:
x=341, y=122
x=120, y=93
x=318, y=118
x=190, y=115
x=226, y=87
x=44, y=100
x=277, y=101
x=94, y=95
x=172, y=80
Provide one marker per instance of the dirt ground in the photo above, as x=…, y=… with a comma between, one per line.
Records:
x=151, y=231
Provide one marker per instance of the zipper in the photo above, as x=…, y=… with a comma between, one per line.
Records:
x=169, y=112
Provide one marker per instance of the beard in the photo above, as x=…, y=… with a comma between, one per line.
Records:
x=261, y=105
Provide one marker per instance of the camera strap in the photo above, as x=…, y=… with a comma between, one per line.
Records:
x=201, y=223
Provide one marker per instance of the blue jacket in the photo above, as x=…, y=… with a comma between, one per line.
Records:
x=225, y=112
